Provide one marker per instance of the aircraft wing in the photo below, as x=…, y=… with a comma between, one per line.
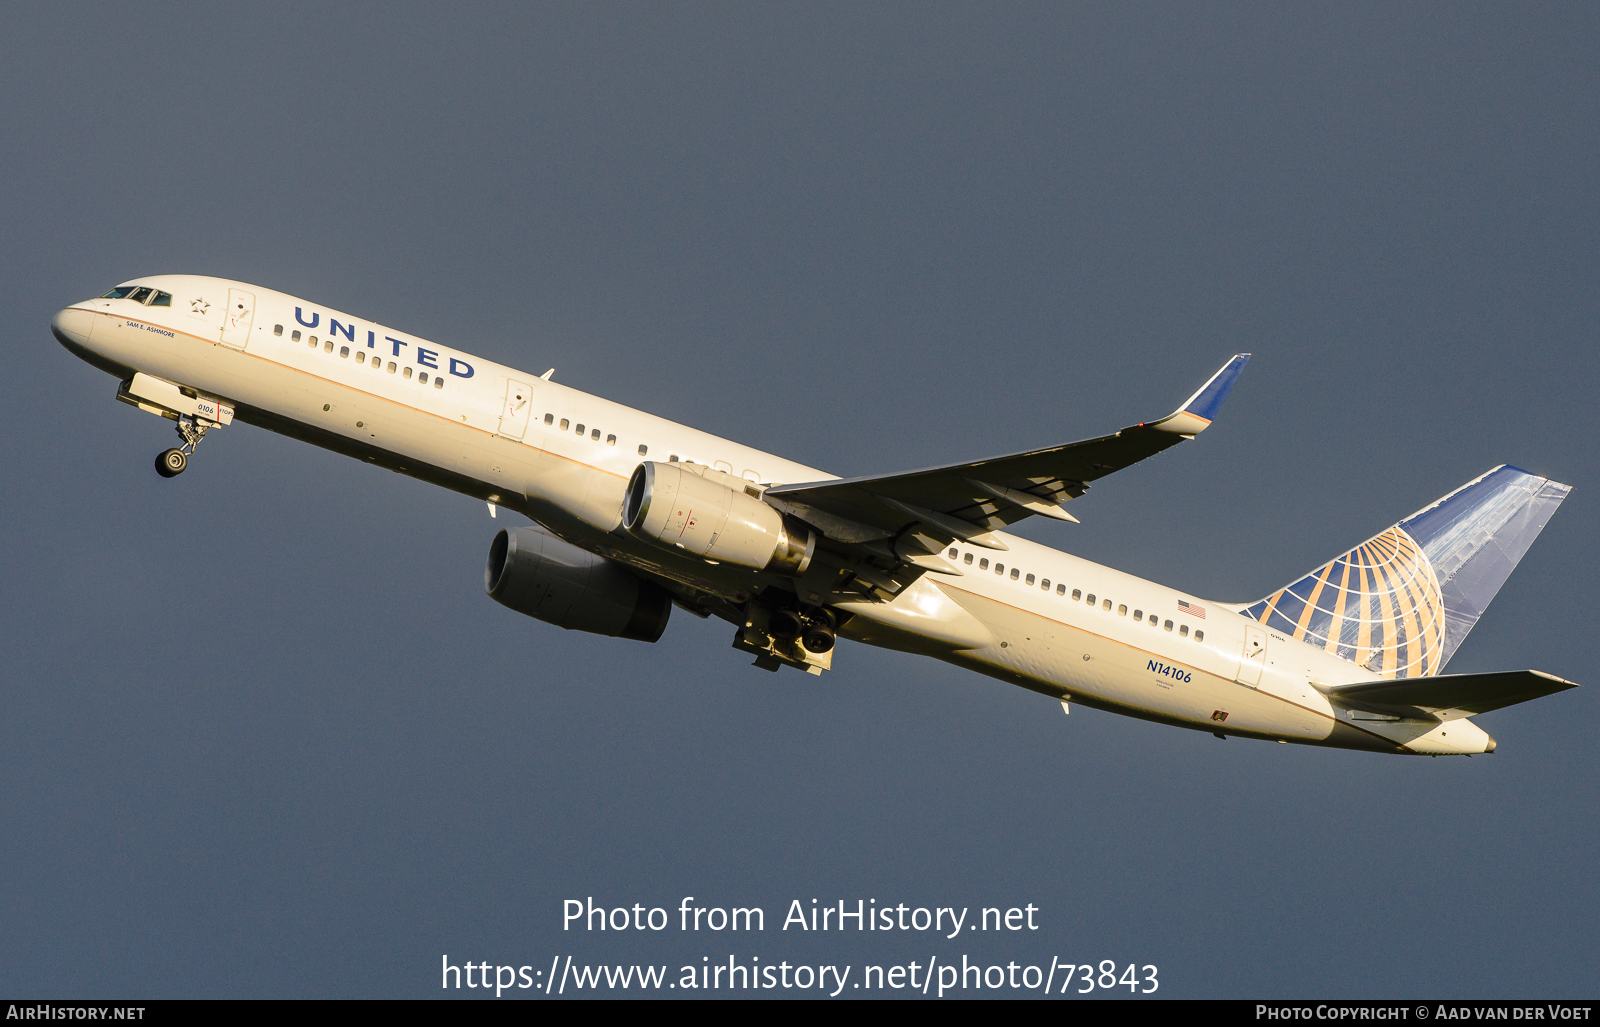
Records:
x=968, y=500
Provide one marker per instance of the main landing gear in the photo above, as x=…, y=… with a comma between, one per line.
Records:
x=815, y=630
x=172, y=462
x=802, y=637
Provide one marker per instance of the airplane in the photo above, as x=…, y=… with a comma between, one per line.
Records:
x=633, y=514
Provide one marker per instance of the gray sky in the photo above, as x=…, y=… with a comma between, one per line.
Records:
x=267, y=736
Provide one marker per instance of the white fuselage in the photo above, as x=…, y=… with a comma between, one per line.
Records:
x=513, y=439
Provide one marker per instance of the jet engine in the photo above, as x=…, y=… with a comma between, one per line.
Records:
x=535, y=573
x=715, y=516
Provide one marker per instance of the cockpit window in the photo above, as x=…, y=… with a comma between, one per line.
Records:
x=140, y=293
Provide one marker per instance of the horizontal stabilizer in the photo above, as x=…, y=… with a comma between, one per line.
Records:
x=1450, y=696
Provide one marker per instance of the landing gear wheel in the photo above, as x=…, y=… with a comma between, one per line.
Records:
x=171, y=463
x=786, y=625
x=817, y=639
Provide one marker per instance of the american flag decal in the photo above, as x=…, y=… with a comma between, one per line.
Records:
x=1198, y=612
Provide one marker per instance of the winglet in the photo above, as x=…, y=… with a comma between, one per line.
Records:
x=1196, y=413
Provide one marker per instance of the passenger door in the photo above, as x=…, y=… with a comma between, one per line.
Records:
x=1254, y=658
x=514, y=415
x=236, y=321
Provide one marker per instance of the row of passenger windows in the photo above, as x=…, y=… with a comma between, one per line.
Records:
x=565, y=424
x=594, y=433
x=1078, y=596
x=140, y=294
x=361, y=357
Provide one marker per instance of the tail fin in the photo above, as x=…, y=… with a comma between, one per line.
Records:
x=1401, y=603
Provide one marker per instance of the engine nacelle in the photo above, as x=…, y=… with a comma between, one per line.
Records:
x=537, y=574
x=708, y=514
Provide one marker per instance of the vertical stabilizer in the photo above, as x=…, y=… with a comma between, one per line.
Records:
x=1401, y=603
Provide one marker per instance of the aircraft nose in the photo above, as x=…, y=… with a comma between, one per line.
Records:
x=71, y=327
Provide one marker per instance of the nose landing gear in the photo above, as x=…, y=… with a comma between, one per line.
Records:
x=172, y=462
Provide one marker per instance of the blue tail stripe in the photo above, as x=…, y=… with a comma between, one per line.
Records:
x=1475, y=536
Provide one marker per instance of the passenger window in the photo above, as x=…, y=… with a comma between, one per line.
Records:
x=422, y=376
x=295, y=335
x=1106, y=605
x=1091, y=598
x=327, y=347
x=1183, y=631
x=644, y=450
x=565, y=424
x=1015, y=574
x=580, y=429
x=967, y=558
x=983, y=564
x=1199, y=636
x=163, y=299
x=1138, y=615
x=1077, y=594
x=594, y=435
x=671, y=459
x=344, y=352
x=999, y=568
x=549, y=418
x=408, y=370
x=1122, y=611
x=1030, y=579
x=1061, y=590
x=611, y=440
x=953, y=553
x=377, y=363
x=438, y=381
x=1169, y=625
x=361, y=358
x=277, y=329
x=1045, y=584
x=392, y=366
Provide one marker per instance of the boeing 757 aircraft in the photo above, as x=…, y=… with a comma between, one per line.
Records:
x=634, y=514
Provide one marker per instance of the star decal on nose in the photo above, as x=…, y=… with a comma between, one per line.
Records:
x=199, y=306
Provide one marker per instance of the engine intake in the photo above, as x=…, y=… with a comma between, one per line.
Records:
x=705, y=513
x=534, y=573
